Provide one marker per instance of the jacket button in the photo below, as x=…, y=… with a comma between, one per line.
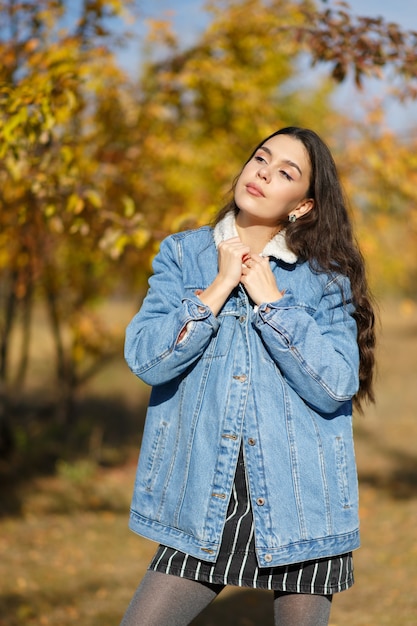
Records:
x=241, y=378
x=251, y=441
x=268, y=558
x=201, y=309
x=242, y=319
x=260, y=501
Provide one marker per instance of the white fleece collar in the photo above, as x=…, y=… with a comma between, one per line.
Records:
x=276, y=247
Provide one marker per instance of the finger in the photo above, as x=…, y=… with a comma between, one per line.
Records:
x=235, y=246
x=259, y=259
x=232, y=240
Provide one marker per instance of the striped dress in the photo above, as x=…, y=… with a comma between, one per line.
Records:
x=237, y=564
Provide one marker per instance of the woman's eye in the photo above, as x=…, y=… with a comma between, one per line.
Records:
x=259, y=159
x=285, y=175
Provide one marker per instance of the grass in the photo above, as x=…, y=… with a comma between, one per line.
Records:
x=66, y=555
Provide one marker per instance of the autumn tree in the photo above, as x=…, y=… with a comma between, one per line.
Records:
x=55, y=74
x=379, y=172
x=201, y=108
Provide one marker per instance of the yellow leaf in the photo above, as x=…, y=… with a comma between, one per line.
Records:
x=140, y=237
x=129, y=206
x=75, y=204
x=94, y=198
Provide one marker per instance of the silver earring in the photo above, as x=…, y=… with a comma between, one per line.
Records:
x=292, y=218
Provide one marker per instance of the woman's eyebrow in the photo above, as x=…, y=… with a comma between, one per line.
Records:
x=287, y=161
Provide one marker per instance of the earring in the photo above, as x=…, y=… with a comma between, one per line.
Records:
x=292, y=218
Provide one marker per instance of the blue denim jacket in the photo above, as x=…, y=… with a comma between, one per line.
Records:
x=277, y=379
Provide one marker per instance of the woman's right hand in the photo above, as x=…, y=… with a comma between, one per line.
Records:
x=232, y=253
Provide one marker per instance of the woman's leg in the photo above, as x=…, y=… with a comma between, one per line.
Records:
x=301, y=609
x=165, y=600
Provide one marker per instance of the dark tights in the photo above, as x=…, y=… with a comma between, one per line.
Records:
x=164, y=600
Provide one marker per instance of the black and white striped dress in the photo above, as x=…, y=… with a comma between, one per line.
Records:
x=237, y=564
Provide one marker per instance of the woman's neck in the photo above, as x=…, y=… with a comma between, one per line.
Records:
x=256, y=236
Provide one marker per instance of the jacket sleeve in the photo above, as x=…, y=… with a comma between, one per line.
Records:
x=316, y=351
x=173, y=327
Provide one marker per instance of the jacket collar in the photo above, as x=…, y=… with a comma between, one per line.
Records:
x=276, y=247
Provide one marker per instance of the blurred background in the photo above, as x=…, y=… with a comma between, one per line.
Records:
x=121, y=122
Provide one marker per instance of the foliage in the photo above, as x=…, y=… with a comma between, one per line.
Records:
x=52, y=220
x=202, y=108
x=380, y=177
x=363, y=45
x=96, y=167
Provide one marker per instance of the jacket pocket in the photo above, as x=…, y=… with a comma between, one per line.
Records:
x=342, y=472
x=155, y=456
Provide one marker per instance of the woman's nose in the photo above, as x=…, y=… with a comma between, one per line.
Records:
x=264, y=173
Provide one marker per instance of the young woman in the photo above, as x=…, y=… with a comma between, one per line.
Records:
x=256, y=336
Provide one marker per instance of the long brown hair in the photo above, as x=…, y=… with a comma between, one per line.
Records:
x=325, y=239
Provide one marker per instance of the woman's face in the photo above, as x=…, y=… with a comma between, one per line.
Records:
x=274, y=183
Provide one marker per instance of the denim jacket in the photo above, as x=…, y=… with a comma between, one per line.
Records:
x=277, y=379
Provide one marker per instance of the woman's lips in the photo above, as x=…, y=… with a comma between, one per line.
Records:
x=254, y=190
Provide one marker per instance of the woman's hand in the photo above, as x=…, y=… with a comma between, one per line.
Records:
x=238, y=265
x=259, y=281
x=232, y=253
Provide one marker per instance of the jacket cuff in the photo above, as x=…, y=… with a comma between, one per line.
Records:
x=266, y=309
x=196, y=310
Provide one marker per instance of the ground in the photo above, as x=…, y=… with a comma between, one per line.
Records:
x=67, y=556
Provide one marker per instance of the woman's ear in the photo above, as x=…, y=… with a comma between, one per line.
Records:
x=304, y=207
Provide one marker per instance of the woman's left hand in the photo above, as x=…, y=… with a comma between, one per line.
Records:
x=259, y=281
